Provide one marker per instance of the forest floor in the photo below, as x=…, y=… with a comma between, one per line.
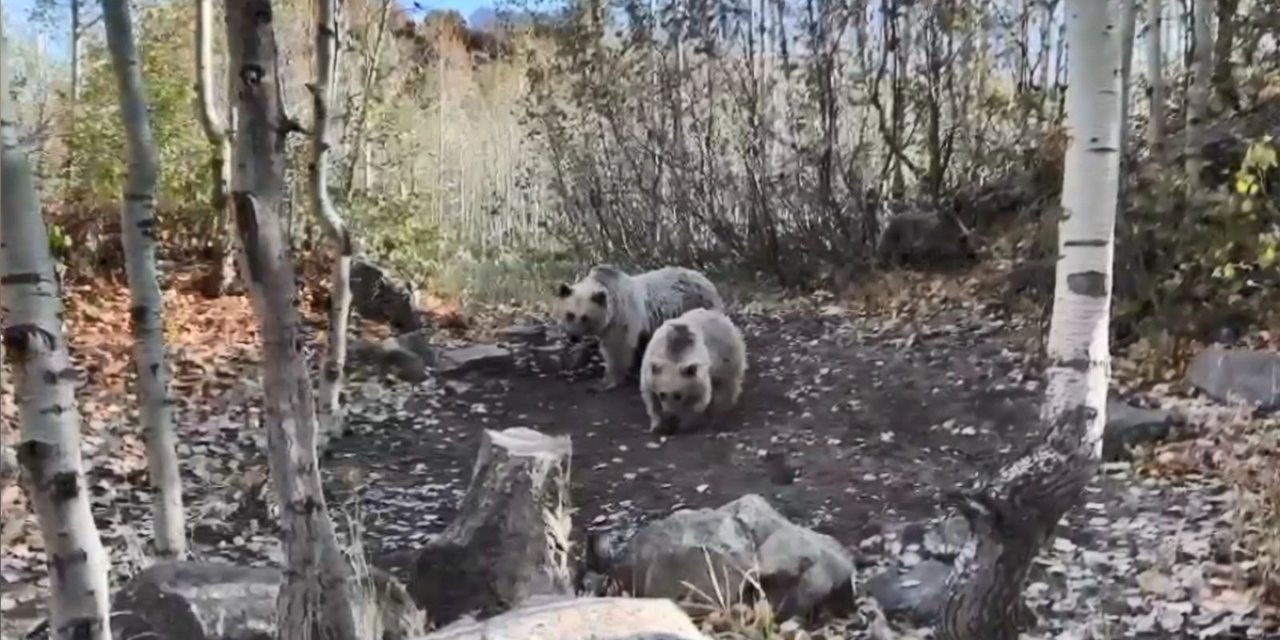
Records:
x=851, y=423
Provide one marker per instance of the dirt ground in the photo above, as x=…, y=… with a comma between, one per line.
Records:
x=849, y=425
x=844, y=426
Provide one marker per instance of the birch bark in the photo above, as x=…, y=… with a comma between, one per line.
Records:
x=326, y=46
x=1015, y=513
x=219, y=136
x=316, y=600
x=137, y=224
x=44, y=390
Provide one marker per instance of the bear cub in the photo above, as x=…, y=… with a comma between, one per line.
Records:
x=692, y=370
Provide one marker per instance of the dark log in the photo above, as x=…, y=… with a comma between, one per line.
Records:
x=1011, y=518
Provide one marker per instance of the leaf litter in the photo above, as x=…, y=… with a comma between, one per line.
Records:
x=1156, y=549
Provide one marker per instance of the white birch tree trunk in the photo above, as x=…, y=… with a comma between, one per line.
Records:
x=316, y=600
x=137, y=226
x=1198, y=95
x=1155, y=78
x=75, y=68
x=219, y=137
x=45, y=393
x=359, y=130
x=1014, y=514
x=1128, y=27
x=326, y=46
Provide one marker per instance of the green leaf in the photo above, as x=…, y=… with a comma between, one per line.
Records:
x=1261, y=156
x=1267, y=257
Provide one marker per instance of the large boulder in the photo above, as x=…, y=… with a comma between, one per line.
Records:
x=580, y=619
x=924, y=237
x=214, y=601
x=379, y=296
x=1238, y=376
x=677, y=557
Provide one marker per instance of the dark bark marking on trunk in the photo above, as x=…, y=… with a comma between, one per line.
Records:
x=1085, y=243
x=251, y=74
x=262, y=14
x=331, y=373
x=246, y=214
x=305, y=507
x=31, y=455
x=1075, y=364
x=138, y=317
x=147, y=227
x=345, y=244
x=64, y=486
x=1078, y=417
x=133, y=196
x=61, y=563
x=80, y=629
x=18, y=339
x=31, y=277
x=1088, y=283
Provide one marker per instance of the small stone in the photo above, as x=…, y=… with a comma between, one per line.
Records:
x=1128, y=426
x=480, y=357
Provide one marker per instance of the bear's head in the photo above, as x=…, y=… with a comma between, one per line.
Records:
x=679, y=375
x=583, y=308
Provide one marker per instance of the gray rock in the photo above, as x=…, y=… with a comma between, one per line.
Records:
x=799, y=569
x=943, y=540
x=551, y=358
x=379, y=296
x=213, y=601
x=197, y=601
x=418, y=343
x=1238, y=376
x=580, y=619
x=916, y=594
x=479, y=357
x=1128, y=426
x=388, y=357
x=924, y=236
x=526, y=334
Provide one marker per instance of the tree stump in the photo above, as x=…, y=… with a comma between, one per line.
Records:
x=510, y=539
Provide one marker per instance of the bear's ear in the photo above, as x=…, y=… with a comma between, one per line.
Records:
x=689, y=370
x=564, y=291
x=600, y=298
